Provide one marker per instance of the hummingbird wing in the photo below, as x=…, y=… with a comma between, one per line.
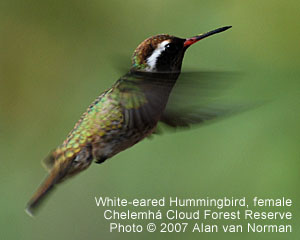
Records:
x=145, y=97
x=184, y=118
x=197, y=99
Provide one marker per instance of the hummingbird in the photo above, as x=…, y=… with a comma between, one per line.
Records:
x=124, y=114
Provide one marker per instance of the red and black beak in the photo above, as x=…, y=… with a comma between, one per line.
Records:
x=189, y=41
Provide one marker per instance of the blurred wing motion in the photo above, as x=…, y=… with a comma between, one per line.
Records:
x=197, y=115
x=196, y=98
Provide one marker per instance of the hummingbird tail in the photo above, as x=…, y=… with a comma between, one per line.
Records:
x=57, y=173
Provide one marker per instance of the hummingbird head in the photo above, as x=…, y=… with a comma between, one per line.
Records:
x=164, y=53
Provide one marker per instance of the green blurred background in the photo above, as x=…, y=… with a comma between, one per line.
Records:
x=56, y=57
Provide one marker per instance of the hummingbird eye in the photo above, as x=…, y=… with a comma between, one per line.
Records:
x=171, y=48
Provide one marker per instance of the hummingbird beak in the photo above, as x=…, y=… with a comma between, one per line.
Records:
x=189, y=41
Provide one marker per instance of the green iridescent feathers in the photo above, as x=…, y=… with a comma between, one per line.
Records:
x=104, y=114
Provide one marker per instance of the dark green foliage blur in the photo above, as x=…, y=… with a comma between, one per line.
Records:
x=56, y=57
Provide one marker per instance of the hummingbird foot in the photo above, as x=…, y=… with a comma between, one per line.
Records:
x=101, y=159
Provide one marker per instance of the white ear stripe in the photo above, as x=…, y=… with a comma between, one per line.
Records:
x=151, y=61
